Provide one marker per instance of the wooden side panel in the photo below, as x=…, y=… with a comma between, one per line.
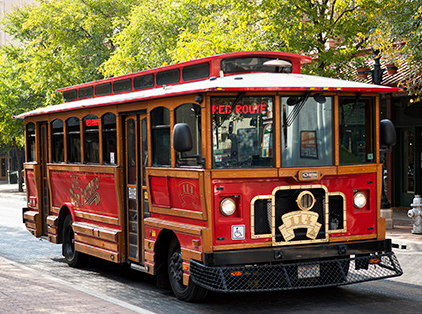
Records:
x=52, y=229
x=98, y=241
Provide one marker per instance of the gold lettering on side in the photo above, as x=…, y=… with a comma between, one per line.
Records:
x=300, y=219
x=88, y=195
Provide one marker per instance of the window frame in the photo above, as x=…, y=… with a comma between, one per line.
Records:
x=54, y=135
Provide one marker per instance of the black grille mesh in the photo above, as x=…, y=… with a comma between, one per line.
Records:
x=333, y=272
x=336, y=212
x=262, y=217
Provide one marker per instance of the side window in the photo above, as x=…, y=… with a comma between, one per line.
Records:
x=73, y=131
x=356, y=127
x=30, y=142
x=91, y=139
x=57, y=141
x=191, y=115
x=160, y=136
x=109, y=139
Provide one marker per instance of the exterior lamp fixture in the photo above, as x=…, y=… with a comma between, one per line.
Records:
x=377, y=72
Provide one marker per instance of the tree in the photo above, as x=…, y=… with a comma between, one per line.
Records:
x=65, y=42
x=399, y=37
x=16, y=97
x=298, y=26
x=61, y=43
x=149, y=34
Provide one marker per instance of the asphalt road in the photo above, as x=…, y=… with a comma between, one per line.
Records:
x=398, y=295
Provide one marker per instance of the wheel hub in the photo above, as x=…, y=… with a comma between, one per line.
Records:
x=176, y=266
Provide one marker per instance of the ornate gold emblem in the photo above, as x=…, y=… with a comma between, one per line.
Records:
x=301, y=219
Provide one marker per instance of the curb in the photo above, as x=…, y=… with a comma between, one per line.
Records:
x=405, y=244
x=13, y=195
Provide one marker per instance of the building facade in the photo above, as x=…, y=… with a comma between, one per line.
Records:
x=5, y=7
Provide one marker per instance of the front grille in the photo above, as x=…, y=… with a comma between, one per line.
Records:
x=295, y=215
x=286, y=202
x=325, y=273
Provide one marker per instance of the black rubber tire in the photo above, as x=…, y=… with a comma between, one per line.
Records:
x=73, y=258
x=189, y=293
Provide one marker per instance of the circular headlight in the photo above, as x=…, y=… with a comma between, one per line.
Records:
x=227, y=207
x=359, y=199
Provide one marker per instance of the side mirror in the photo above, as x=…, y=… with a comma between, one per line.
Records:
x=387, y=134
x=182, y=138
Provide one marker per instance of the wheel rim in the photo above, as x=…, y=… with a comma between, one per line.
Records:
x=176, y=268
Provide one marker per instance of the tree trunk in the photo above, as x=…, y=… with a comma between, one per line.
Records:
x=18, y=161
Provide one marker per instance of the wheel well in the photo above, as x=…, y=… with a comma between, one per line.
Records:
x=64, y=211
x=161, y=250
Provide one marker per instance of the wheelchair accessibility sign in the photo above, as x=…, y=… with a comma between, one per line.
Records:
x=238, y=232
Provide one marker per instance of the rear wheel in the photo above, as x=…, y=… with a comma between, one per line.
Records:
x=73, y=258
x=189, y=293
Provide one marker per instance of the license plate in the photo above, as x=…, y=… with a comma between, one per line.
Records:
x=308, y=271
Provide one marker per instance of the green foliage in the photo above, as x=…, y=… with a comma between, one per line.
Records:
x=399, y=37
x=297, y=26
x=149, y=33
x=65, y=41
x=16, y=97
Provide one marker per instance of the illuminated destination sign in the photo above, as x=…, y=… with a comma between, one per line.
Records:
x=242, y=109
x=92, y=122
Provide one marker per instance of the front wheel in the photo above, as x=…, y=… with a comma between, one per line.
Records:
x=189, y=293
x=73, y=258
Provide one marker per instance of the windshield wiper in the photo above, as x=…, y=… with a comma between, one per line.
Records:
x=295, y=112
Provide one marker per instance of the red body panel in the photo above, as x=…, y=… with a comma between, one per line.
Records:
x=184, y=193
x=31, y=188
x=160, y=191
x=178, y=193
x=91, y=192
x=359, y=221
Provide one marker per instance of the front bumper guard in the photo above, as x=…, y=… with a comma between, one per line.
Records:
x=289, y=276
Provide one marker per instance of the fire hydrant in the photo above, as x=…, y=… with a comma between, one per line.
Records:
x=416, y=214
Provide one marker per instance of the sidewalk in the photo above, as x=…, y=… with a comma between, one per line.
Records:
x=401, y=234
x=11, y=191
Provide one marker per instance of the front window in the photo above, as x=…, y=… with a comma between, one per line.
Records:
x=243, y=132
x=307, y=136
x=356, y=130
